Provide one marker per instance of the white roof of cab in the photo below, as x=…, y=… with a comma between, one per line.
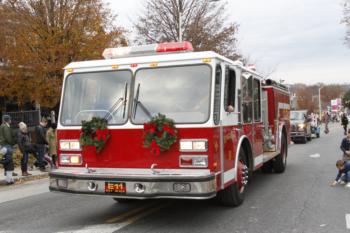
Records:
x=159, y=57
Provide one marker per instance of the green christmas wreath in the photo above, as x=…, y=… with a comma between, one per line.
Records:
x=159, y=134
x=94, y=133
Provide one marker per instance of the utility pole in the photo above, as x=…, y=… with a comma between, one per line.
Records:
x=179, y=4
x=319, y=100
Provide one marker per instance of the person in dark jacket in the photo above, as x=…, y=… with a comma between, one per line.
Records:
x=343, y=175
x=26, y=147
x=344, y=122
x=41, y=142
x=345, y=146
x=6, y=143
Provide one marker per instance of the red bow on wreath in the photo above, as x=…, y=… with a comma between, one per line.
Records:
x=102, y=133
x=149, y=127
x=166, y=128
x=155, y=148
x=159, y=134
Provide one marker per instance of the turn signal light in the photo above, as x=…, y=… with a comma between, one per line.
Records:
x=70, y=159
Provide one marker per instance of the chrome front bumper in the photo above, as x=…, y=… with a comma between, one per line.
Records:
x=157, y=184
x=297, y=134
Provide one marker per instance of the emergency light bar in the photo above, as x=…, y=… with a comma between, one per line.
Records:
x=151, y=49
x=251, y=67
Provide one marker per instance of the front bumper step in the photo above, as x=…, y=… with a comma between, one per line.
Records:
x=163, y=184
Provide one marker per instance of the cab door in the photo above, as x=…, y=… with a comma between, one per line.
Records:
x=230, y=117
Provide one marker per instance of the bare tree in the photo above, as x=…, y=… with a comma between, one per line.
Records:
x=204, y=24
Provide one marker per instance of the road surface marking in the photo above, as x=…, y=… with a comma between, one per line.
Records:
x=141, y=215
x=315, y=155
x=347, y=218
x=113, y=227
x=131, y=212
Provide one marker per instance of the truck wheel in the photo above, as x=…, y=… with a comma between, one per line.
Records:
x=233, y=195
x=267, y=167
x=280, y=161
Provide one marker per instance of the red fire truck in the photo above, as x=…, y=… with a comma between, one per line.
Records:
x=230, y=122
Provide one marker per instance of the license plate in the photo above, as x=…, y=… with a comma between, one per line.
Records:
x=115, y=187
x=62, y=183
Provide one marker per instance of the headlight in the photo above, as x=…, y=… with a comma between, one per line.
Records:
x=69, y=145
x=301, y=126
x=70, y=159
x=193, y=161
x=200, y=145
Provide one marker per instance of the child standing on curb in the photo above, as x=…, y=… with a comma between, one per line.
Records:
x=343, y=175
x=7, y=162
x=52, y=140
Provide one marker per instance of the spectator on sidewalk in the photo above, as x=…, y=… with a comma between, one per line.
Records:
x=41, y=142
x=326, y=119
x=52, y=140
x=344, y=122
x=345, y=146
x=343, y=176
x=6, y=143
x=26, y=147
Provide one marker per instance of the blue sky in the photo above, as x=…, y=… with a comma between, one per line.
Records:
x=300, y=40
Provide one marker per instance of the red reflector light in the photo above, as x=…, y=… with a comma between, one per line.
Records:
x=174, y=46
x=186, y=161
x=133, y=65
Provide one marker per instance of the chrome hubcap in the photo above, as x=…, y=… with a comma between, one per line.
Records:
x=245, y=175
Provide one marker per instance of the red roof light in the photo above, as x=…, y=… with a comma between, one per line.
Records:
x=174, y=46
x=150, y=49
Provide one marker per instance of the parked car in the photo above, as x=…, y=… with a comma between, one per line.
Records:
x=300, y=126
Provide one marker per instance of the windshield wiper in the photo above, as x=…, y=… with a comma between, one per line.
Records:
x=137, y=102
x=125, y=98
x=118, y=104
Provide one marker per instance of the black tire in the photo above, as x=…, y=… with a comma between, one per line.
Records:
x=280, y=161
x=233, y=195
x=309, y=138
x=304, y=140
x=267, y=167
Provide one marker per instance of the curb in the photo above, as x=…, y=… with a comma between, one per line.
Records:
x=22, y=179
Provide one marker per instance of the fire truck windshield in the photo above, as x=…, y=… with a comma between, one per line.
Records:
x=180, y=92
x=297, y=115
x=99, y=94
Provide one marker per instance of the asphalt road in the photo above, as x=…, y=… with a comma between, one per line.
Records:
x=299, y=200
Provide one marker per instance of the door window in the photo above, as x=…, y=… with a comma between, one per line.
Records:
x=247, y=98
x=257, y=100
x=230, y=90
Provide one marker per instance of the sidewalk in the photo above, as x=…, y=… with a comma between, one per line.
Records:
x=36, y=174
